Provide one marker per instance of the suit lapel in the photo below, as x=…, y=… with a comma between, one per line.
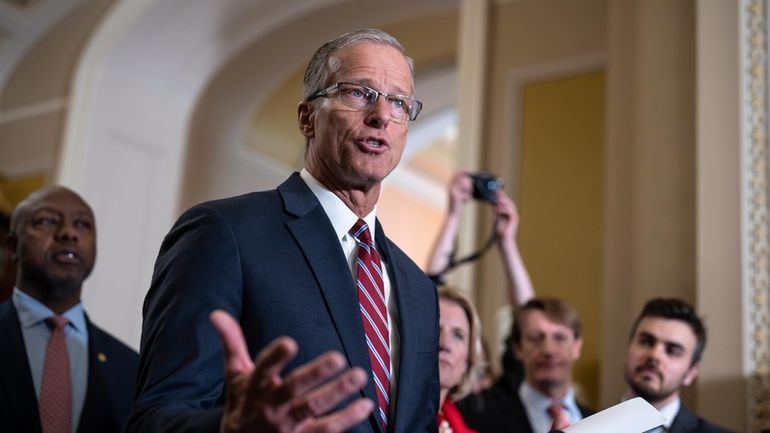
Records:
x=96, y=407
x=684, y=421
x=407, y=307
x=524, y=426
x=15, y=375
x=315, y=236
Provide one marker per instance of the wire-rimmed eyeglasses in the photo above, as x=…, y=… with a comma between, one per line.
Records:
x=361, y=98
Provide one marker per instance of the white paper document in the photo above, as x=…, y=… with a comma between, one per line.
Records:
x=631, y=416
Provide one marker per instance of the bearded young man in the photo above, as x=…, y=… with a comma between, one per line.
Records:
x=664, y=354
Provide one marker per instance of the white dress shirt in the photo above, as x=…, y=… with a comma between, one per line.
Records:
x=343, y=219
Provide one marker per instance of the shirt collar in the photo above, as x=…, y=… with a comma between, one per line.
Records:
x=32, y=312
x=341, y=217
x=669, y=411
x=541, y=402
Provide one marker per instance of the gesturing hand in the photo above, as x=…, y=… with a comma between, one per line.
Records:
x=259, y=399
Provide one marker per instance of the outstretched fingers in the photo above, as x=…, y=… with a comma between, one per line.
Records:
x=272, y=360
x=258, y=398
x=343, y=420
x=237, y=359
x=321, y=400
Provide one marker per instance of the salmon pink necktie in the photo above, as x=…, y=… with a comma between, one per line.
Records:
x=559, y=416
x=55, y=401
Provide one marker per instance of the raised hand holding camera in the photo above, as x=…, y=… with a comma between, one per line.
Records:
x=482, y=186
x=486, y=185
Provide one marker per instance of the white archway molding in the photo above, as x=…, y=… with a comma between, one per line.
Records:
x=134, y=95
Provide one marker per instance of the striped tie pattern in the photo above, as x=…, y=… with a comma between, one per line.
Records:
x=55, y=402
x=374, y=314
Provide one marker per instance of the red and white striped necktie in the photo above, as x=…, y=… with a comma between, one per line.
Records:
x=374, y=314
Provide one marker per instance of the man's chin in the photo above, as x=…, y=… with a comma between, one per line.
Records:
x=66, y=285
x=648, y=393
x=545, y=382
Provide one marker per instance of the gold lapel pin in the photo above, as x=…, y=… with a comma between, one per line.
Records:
x=101, y=357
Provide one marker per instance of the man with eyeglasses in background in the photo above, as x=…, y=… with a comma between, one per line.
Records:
x=320, y=322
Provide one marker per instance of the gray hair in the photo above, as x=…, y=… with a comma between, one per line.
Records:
x=322, y=65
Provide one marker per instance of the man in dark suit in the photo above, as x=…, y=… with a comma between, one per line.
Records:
x=664, y=354
x=546, y=339
x=53, y=242
x=295, y=345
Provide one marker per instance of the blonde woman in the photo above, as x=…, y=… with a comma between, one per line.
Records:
x=460, y=356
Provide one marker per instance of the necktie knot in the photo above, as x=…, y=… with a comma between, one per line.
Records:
x=555, y=408
x=57, y=322
x=559, y=415
x=360, y=231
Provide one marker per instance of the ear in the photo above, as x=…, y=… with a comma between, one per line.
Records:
x=692, y=373
x=306, y=118
x=12, y=243
x=577, y=349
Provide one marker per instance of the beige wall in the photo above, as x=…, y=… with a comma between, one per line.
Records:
x=412, y=224
x=721, y=390
x=672, y=191
x=532, y=41
x=560, y=203
x=650, y=180
x=652, y=171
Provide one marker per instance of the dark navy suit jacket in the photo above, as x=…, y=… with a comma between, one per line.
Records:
x=273, y=261
x=499, y=409
x=112, y=370
x=687, y=422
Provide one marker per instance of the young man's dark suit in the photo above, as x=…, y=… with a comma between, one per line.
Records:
x=272, y=260
x=499, y=409
x=112, y=370
x=686, y=422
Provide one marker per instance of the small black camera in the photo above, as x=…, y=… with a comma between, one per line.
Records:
x=485, y=186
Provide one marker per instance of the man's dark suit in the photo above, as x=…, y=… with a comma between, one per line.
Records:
x=686, y=422
x=273, y=261
x=112, y=370
x=499, y=409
